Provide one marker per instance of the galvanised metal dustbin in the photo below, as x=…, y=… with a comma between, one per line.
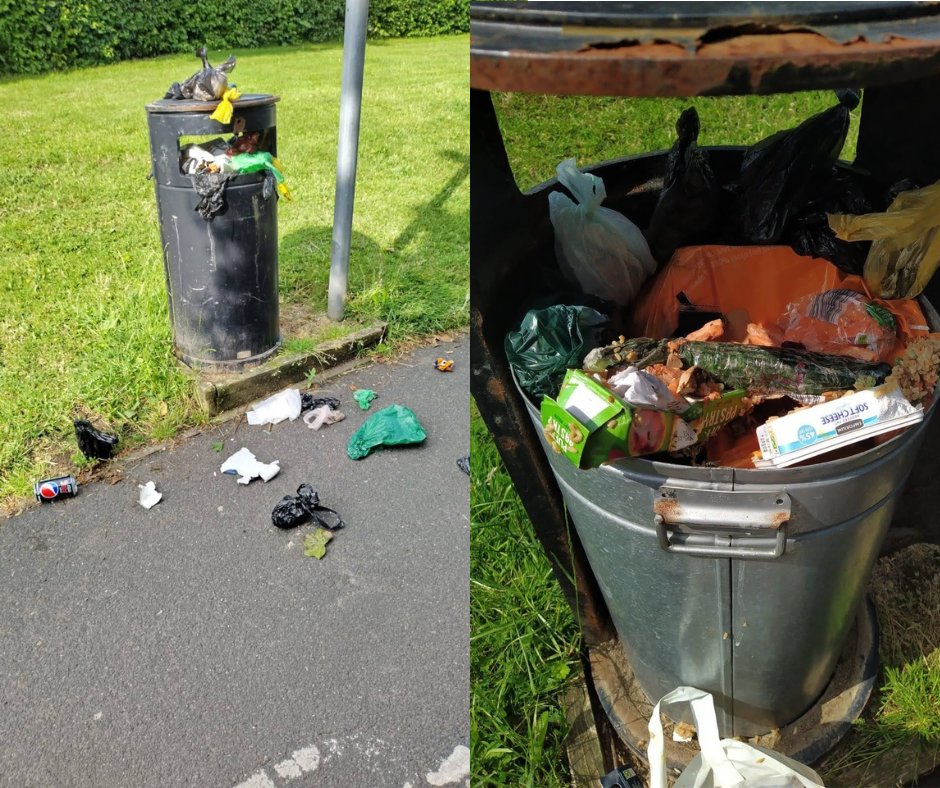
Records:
x=744, y=583
x=221, y=274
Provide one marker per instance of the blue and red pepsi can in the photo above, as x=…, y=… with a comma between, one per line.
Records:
x=50, y=489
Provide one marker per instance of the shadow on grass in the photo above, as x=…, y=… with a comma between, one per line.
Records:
x=417, y=280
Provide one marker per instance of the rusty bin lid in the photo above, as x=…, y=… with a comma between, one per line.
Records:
x=707, y=48
x=189, y=105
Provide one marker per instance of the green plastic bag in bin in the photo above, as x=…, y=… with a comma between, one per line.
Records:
x=391, y=426
x=550, y=341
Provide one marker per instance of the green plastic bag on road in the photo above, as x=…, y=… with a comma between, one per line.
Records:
x=391, y=426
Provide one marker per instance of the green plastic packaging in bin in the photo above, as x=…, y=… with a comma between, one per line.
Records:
x=392, y=426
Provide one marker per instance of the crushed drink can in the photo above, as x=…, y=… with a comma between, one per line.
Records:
x=61, y=487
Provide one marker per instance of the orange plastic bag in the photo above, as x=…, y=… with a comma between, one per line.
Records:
x=753, y=284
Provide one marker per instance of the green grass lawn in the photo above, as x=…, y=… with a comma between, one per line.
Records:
x=523, y=635
x=85, y=329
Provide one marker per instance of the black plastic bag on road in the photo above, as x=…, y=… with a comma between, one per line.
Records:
x=548, y=342
x=292, y=510
x=779, y=174
x=692, y=203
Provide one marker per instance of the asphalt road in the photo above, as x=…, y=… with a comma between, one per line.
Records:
x=195, y=645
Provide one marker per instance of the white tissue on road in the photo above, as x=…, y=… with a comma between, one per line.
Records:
x=246, y=466
x=149, y=497
x=285, y=404
x=317, y=417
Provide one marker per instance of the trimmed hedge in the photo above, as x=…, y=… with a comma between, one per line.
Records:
x=46, y=35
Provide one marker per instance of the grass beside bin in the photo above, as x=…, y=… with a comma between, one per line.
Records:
x=523, y=639
x=513, y=682
x=84, y=330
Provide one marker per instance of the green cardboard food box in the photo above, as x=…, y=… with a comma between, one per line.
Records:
x=588, y=422
x=709, y=416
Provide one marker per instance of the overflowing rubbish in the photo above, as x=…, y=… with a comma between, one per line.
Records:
x=315, y=543
x=464, y=464
x=321, y=415
x=550, y=341
x=223, y=112
x=395, y=425
x=722, y=763
x=905, y=252
x=294, y=510
x=207, y=84
x=444, y=364
x=286, y=404
x=51, y=489
x=364, y=398
x=149, y=497
x=781, y=326
x=94, y=444
x=598, y=248
x=246, y=466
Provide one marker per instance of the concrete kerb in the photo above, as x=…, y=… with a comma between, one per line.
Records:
x=218, y=392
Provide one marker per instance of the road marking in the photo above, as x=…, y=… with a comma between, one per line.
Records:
x=308, y=758
x=453, y=769
x=257, y=780
x=288, y=770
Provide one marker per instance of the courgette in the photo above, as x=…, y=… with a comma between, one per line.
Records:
x=761, y=370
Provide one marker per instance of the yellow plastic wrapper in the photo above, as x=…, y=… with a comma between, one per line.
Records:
x=905, y=252
x=223, y=112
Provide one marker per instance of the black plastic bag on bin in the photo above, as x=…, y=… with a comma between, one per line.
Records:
x=207, y=84
x=810, y=234
x=210, y=187
x=779, y=174
x=690, y=206
x=550, y=341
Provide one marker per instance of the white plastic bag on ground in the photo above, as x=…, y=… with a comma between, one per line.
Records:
x=285, y=404
x=246, y=466
x=600, y=249
x=726, y=763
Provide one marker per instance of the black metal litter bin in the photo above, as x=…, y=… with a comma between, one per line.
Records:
x=221, y=273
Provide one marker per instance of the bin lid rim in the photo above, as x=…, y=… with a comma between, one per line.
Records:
x=190, y=105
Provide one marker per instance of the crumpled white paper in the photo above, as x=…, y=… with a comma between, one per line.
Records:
x=149, y=497
x=317, y=417
x=247, y=467
x=644, y=390
x=285, y=404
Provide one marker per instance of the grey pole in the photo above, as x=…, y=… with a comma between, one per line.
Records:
x=354, y=51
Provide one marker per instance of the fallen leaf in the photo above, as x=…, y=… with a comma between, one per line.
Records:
x=315, y=543
x=218, y=446
x=163, y=409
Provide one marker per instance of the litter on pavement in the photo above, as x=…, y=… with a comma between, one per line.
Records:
x=286, y=404
x=444, y=364
x=392, y=426
x=149, y=497
x=364, y=397
x=324, y=414
x=293, y=510
x=244, y=465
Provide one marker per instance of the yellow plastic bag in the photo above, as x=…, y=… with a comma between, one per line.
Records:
x=905, y=252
